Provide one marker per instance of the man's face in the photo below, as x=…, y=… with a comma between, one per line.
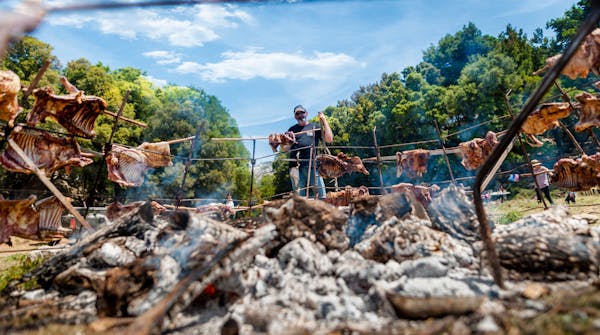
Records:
x=300, y=115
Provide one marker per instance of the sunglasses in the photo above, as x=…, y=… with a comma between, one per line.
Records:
x=299, y=112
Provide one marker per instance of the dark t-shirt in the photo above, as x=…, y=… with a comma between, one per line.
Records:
x=304, y=141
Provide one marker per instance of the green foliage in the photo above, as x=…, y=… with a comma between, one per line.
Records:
x=510, y=217
x=20, y=264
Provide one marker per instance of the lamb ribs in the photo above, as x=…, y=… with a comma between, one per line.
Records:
x=76, y=112
x=48, y=152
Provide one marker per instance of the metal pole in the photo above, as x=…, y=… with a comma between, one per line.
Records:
x=537, y=186
x=188, y=163
x=252, y=162
x=107, y=147
x=437, y=129
x=588, y=25
x=566, y=98
x=378, y=156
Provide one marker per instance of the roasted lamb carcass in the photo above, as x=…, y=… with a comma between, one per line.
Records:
x=330, y=166
x=76, y=112
x=421, y=193
x=223, y=211
x=50, y=210
x=585, y=59
x=126, y=166
x=477, y=150
x=10, y=85
x=29, y=219
x=157, y=154
x=284, y=140
x=590, y=111
x=412, y=162
x=345, y=196
x=48, y=152
x=116, y=210
x=579, y=174
x=546, y=117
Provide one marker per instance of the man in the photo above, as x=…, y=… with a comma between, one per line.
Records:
x=300, y=152
x=541, y=176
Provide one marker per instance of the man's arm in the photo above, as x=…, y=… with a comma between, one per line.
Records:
x=326, y=130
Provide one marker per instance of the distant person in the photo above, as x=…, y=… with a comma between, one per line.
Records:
x=570, y=197
x=300, y=152
x=230, y=205
x=542, y=174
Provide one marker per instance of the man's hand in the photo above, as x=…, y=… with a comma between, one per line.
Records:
x=321, y=116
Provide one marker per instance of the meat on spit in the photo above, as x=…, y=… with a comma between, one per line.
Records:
x=585, y=59
x=590, y=111
x=477, y=150
x=158, y=154
x=578, y=174
x=126, y=166
x=330, y=166
x=412, y=162
x=345, y=196
x=10, y=85
x=48, y=152
x=76, y=112
x=29, y=219
x=284, y=140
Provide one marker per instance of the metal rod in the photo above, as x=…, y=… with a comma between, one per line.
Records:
x=49, y=185
x=107, y=147
x=588, y=25
x=566, y=98
x=252, y=164
x=378, y=157
x=188, y=163
x=526, y=154
x=441, y=140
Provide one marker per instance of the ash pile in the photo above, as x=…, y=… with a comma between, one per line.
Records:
x=384, y=265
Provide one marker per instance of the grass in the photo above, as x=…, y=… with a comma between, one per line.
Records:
x=525, y=203
x=15, y=266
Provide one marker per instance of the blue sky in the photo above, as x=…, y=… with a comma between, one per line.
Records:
x=260, y=60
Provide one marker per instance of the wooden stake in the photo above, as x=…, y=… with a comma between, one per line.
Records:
x=49, y=184
x=132, y=121
x=180, y=140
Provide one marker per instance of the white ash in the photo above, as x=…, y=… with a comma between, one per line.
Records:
x=115, y=255
x=557, y=219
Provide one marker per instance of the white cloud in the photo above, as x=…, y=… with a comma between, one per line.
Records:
x=164, y=57
x=252, y=64
x=187, y=26
x=156, y=81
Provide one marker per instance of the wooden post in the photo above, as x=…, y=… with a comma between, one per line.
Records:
x=378, y=156
x=35, y=81
x=49, y=184
x=437, y=129
x=537, y=186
